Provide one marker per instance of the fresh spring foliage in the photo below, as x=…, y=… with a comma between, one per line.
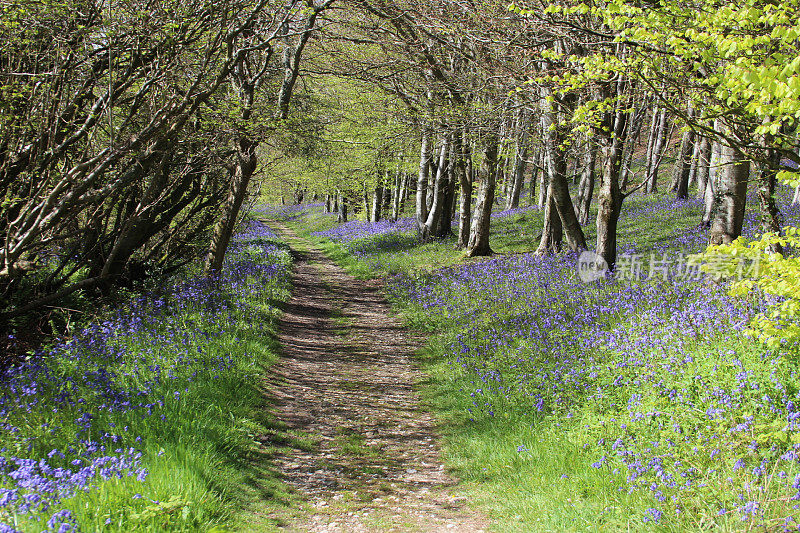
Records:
x=742, y=56
x=145, y=421
x=776, y=276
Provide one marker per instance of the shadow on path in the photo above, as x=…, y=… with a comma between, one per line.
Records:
x=346, y=379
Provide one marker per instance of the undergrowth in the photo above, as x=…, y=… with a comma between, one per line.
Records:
x=149, y=419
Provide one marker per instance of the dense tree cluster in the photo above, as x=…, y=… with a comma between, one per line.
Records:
x=597, y=93
x=131, y=131
x=129, y=134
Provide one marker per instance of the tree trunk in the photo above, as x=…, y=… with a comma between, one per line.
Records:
x=703, y=163
x=342, y=212
x=246, y=161
x=572, y=170
x=437, y=205
x=694, y=170
x=397, y=194
x=517, y=180
x=431, y=178
x=502, y=174
x=291, y=62
x=712, y=185
x=657, y=154
x=655, y=121
x=730, y=197
x=392, y=191
x=557, y=175
x=377, y=204
x=444, y=228
x=683, y=164
x=586, y=188
x=520, y=162
x=137, y=229
x=771, y=219
x=632, y=138
x=625, y=167
x=454, y=204
x=533, y=179
x=403, y=194
x=464, y=172
x=387, y=195
x=479, y=236
x=610, y=197
x=422, y=184
x=542, y=179
x=552, y=231
x=609, y=204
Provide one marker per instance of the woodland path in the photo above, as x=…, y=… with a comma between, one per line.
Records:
x=347, y=379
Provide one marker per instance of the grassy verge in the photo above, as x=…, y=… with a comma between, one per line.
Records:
x=614, y=406
x=151, y=420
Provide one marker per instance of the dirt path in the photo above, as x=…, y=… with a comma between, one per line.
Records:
x=347, y=380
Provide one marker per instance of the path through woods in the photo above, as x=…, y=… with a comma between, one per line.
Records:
x=346, y=377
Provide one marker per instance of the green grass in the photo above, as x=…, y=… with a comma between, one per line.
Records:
x=532, y=472
x=206, y=446
x=549, y=486
x=352, y=443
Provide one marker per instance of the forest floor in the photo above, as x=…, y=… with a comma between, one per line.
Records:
x=346, y=385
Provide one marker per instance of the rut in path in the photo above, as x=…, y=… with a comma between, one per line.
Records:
x=347, y=379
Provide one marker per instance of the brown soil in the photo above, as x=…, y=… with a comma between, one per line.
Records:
x=347, y=380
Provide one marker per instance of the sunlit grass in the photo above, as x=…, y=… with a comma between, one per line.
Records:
x=178, y=380
x=542, y=470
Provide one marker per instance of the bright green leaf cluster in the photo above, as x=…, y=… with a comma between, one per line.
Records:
x=772, y=278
